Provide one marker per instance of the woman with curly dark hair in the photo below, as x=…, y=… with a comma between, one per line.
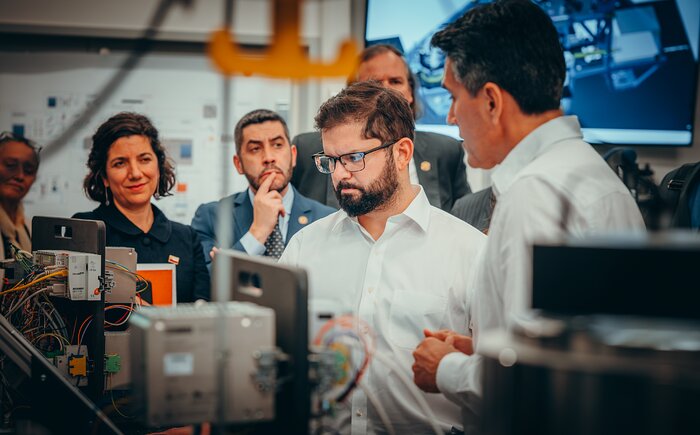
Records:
x=127, y=167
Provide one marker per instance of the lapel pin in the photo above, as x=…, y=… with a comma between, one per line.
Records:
x=173, y=259
x=425, y=166
x=303, y=220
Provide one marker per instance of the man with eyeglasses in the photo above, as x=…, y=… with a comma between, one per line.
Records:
x=388, y=256
x=438, y=160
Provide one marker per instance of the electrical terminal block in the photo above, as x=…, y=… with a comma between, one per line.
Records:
x=83, y=273
x=113, y=363
x=73, y=364
x=77, y=365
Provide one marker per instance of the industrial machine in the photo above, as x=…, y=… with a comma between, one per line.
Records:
x=613, y=346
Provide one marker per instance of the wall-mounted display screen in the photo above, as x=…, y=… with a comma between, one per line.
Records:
x=632, y=65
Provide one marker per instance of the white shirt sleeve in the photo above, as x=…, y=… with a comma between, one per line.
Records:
x=459, y=379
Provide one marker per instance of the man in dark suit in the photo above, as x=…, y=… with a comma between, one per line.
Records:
x=438, y=160
x=476, y=208
x=270, y=211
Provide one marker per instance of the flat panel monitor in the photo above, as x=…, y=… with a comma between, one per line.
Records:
x=632, y=65
x=654, y=276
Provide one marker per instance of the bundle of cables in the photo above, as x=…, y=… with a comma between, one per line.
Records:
x=141, y=282
x=336, y=334
x=27, y=306
x=112, y=321
x=354, y=341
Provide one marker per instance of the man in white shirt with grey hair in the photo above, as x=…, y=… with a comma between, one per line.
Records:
x=388, y=256
x=505, y=72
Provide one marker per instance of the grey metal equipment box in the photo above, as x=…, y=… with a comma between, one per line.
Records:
x=189, y=367
x=121, y=286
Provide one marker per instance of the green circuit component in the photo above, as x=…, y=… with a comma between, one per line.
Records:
x=113, y=363
x=53, y=353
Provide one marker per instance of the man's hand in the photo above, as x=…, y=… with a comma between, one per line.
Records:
x=213, y=252
x=462, y=343
x=427, y=357
x=267, y=207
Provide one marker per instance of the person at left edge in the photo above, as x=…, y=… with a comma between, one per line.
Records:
x=270, y=211
x=19, y=163
x=127, y=167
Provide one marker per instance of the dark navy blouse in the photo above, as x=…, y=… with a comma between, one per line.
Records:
x=164, y=239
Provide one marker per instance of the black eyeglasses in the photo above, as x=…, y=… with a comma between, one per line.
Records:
x=353, y=162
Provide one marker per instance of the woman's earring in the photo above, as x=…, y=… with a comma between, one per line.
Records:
x=106, y=196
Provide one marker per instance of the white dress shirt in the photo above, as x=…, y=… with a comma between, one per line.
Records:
x=413, y=171
x=550, y=185
x=416, y=275
x=251, y=245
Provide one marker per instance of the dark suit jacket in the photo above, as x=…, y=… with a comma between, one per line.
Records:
x=439, y=165
x=476, y=208
x=304, y=211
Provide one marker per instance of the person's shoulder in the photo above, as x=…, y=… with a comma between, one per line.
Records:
x=481, y=198
x=183, y=231
x=322, y=225
x=321, y=209
x=439, y=144
x=571, y=165
x=84, y=215
x=437, y=138
x=307, y=138
x=213, y=206
x=313, y=205
x=91, y=215
x=447, y=223
x=206, y=208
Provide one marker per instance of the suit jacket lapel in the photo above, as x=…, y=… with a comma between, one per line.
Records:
x=242, y=214
x=300, y=207
x=427, y=170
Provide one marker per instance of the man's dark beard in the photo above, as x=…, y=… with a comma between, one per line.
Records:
x=257, y=181
x=376, y=195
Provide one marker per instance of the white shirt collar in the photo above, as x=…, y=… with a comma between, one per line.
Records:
x=418, y=211
x=533, y=145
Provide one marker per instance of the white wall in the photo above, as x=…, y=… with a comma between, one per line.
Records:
x=182, y=93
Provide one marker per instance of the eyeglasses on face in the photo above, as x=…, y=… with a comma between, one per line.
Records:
x=353, y=162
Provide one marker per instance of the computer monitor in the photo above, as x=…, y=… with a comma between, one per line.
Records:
x=646, y=276
x=284, y=289
x=632, y=65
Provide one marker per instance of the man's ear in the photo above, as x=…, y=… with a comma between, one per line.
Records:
x=492, y=96
x=403, y=152
x=237, y=163
x=293, y=149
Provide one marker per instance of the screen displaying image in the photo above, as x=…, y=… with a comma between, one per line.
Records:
x=632, y=65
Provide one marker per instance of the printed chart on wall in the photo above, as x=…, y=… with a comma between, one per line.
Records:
x=42, y=94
